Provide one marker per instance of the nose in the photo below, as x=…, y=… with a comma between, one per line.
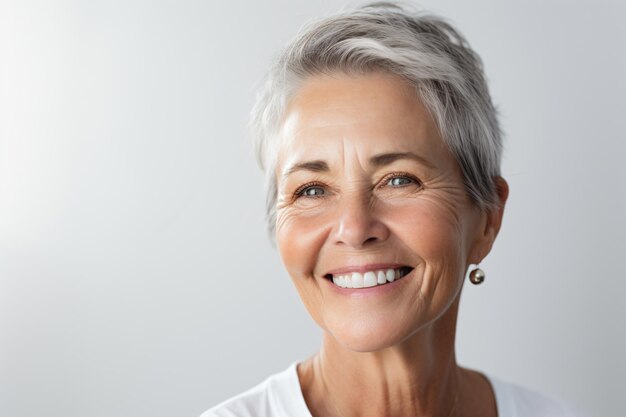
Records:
x=358, y=225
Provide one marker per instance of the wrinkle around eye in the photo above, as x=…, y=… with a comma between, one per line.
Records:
x=298, y=200
x=302, y=191
x=411, y=187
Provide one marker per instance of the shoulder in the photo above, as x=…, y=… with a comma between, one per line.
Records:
x=246, y=404
x=516, y=401
x=277, y=396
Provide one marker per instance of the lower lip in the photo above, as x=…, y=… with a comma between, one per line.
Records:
x=371, y=291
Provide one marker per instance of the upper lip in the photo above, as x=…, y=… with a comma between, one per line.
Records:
x=365, y=268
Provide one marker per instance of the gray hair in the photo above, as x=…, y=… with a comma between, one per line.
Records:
x=423, y=49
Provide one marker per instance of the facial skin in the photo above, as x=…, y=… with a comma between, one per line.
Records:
x=405, y=211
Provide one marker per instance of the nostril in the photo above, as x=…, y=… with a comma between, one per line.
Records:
x=358, y=227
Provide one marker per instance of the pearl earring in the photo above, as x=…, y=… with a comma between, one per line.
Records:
x=477, y=276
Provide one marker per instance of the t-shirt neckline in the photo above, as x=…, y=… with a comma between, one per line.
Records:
x=296, y=405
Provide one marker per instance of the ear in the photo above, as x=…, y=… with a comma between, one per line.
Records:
x=490, y=223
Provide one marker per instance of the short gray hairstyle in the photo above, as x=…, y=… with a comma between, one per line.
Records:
x=423, y=49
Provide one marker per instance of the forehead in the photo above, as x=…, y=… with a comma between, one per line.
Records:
x=372, y=113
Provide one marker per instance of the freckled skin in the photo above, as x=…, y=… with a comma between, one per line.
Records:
x=360, y=216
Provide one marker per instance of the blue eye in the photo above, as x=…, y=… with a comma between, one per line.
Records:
x=399, y=181
x=311, y=191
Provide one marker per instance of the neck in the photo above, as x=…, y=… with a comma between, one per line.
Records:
x=418, y=376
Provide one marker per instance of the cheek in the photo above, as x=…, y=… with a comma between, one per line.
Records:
x=433, y=230
x=431, y=224
x=299, y=237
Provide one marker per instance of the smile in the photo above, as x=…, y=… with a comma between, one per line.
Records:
x=369, y=278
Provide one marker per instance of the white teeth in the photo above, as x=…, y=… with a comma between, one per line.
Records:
x=357, y=280
x=391, y=275
x=347, y=281
x=369, y=279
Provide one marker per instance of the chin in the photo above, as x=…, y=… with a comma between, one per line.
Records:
x=366, y=335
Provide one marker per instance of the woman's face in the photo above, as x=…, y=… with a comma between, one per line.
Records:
x=368, y=193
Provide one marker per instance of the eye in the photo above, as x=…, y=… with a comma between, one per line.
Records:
x=399, y=180
x=310, y=191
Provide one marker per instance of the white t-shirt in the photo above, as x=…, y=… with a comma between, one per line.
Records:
x=280, y=395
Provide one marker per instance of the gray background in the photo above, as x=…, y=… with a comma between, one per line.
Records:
x=136, y=278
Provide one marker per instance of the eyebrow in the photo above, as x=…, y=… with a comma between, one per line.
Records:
x=376, y=160
x=388, y=158
x=313, y=166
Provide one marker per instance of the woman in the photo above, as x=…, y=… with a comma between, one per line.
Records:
x=382, y=153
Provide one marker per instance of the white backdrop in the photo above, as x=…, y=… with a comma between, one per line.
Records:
x=136, y=278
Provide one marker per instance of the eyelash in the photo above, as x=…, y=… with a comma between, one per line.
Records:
x=300, y=190
x=401, y=174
